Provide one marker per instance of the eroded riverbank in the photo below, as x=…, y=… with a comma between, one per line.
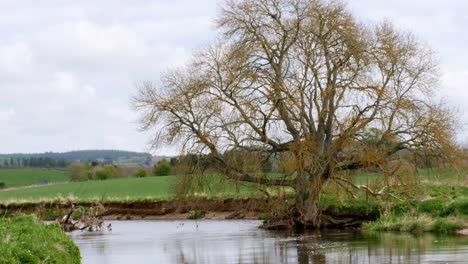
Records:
x=169, y=210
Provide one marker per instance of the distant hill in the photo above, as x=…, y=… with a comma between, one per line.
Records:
x=117, y=157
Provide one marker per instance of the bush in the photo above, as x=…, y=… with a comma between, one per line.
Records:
x=457, y=208
x=26, y=240
x=358, y=207
x=443, y=226
x=2, y=185
x=140, y=173
x=102, y=174
x=76, y=171
x=195, y=214
x=87, y=176
x=434, y=207
x=163, y=168
x=105, y=173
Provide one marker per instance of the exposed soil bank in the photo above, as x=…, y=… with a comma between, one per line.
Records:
x=177, y=210
x=254, y=209
x=167, y=210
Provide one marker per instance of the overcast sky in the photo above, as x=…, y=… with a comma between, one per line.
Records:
x=68, y=68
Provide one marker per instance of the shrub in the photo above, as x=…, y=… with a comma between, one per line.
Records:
x=2, y=185
x=443, y=226
x=356, y=207
x=76, y=171
x=140, y=173
x=434, y=207
x=403, y=208
x=87, y=176
x=163, y=168
x=105, y=173
x=462, y=207
x=457, y=208
x=195, y=214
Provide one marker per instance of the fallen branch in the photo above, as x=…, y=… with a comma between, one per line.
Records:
x=90, y=223
x=366, y=188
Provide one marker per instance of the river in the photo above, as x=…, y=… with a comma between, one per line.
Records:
x=239, y=241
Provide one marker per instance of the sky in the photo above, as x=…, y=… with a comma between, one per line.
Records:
x=69, y=68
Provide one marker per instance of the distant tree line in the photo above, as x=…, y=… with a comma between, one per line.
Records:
x=36, y=162
x=86, y=171
x=104, y=156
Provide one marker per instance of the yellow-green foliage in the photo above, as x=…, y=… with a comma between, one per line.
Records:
x=195, y=214
x=26, y=240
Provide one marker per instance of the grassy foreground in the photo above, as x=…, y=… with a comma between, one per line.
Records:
x=26, y=240
x=24, y=177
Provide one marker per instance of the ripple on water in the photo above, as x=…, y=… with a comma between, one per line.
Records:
x=238, y=241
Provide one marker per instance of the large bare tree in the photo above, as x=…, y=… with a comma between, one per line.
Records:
x=306, y=81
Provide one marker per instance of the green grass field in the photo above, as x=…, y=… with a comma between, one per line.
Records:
x=128, y=189
x=150, y=188
x=24, y=177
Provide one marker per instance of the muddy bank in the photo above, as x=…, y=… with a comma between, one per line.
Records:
x=176, y=210
x=253, y=209
x=147, y=210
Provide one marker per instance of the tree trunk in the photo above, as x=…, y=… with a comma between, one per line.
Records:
x=308, y=214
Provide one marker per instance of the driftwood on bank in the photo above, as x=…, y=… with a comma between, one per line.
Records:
x=87, y=222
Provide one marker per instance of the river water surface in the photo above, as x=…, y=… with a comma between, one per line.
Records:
x=233, y=241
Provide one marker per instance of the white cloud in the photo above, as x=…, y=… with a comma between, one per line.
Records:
x=14, y=59
x=6, y=115
x=91, y=46
x=122, y=114
x=68, y=68
x=66, y=84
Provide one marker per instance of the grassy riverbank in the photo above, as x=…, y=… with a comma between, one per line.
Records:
x=416, y=224
x=26, y=240
x=438, y=202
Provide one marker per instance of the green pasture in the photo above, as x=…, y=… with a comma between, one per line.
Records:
x=24, y=177
x=435, y=183
x=127, y=189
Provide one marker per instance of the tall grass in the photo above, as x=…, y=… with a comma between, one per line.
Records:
x=414, y=224
x=26, y=240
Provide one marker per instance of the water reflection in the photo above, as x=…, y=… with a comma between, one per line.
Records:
x=243, y=242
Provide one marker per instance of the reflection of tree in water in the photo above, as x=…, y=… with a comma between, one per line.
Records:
x=404, y=247
x=376, y=248
x=225, y=244
x=309, y=249
x=305, y=248
x=362, y=248
x=239, y=249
